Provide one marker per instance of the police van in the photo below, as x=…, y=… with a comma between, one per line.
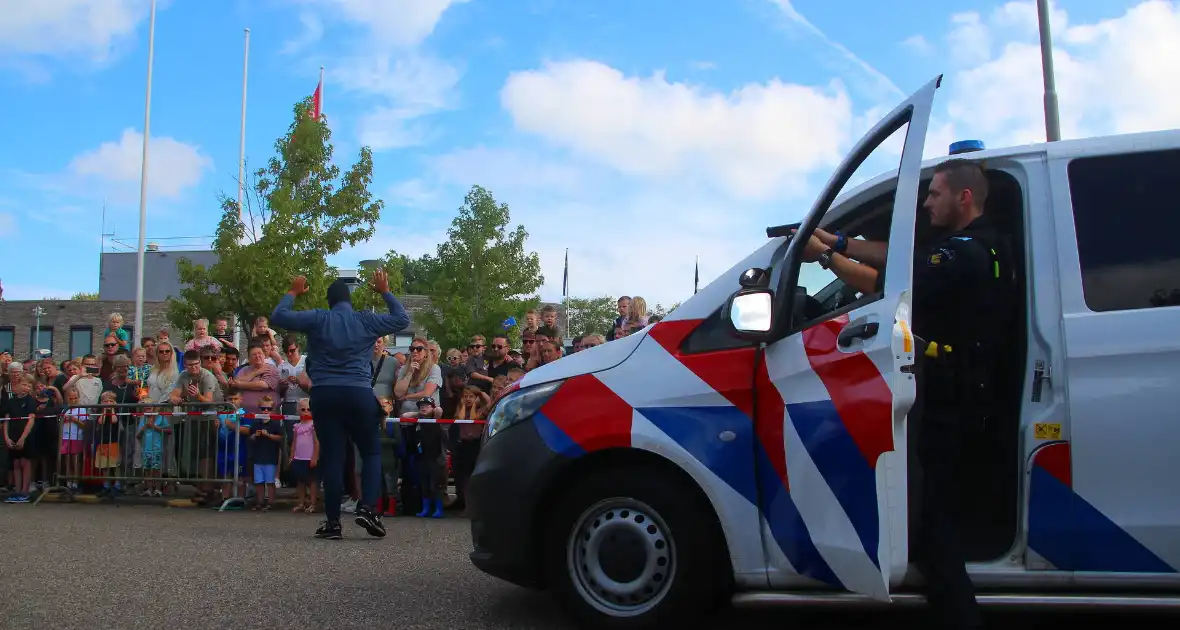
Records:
x=651, y=478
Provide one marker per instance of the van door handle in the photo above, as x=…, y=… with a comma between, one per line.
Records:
x=866, y=330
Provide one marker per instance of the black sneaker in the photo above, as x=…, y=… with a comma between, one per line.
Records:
x=329, y=530
x=370, y=520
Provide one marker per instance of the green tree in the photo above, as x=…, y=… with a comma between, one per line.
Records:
x=85, y=296
x=593, y=315
x=365, y=298
x=479, y=277
x=660, y=311
x=302, y=210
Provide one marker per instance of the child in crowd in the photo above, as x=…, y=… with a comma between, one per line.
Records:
x=531, y=320
x=106, y=455
x=151, y=431
x=515, y=374
x=233, y=443
x=73, y=426
x=305, y=456
x=265, y=438
x=549, y=317
x=115, y=329
x=140, y=371
x=473, y=405
x=20, y=418
x=637, y=315
x=432, y=462
x=391, y=437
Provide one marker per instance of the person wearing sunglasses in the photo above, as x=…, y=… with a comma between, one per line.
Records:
x=340, y=344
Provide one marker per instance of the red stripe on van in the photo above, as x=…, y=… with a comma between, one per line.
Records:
x=857, y=388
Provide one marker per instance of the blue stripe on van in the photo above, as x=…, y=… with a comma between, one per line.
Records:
x=1064, y=529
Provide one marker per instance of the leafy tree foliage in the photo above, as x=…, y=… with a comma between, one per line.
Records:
x=476, y=279
x=660, y=311
x=302, y=211
x=85, y=296
x=592, y=315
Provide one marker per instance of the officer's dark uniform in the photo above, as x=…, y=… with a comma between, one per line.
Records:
x=963, y=294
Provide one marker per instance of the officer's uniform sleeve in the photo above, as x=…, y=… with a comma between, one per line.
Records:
x=955, y=264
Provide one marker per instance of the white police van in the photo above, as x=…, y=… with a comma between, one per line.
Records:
x=647, y=479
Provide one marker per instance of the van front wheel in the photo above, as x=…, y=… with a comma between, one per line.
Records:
x=631, y=551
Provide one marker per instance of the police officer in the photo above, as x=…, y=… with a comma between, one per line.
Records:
x=963, y=296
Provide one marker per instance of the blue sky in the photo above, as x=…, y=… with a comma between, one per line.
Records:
x=637, y=134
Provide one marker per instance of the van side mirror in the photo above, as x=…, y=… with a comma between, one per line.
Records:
x=754, y=278
x=750, y=314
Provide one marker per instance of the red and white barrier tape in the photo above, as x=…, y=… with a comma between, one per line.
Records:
x=259, y=416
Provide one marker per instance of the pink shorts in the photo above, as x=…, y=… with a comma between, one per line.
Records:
x=72, y=447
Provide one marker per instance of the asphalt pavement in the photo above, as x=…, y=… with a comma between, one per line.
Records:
x=146, y=566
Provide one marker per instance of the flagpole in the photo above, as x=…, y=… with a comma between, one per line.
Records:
x=565, y=283
x=321, y=91
x=242, y=141
x=696, y=275
x=143, y=175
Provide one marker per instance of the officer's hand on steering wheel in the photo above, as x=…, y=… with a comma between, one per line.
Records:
x=813, y=249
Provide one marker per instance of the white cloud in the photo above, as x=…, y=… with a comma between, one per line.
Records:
x=881, y=84
x=313, y=31
x=16, y=292
x=703, y=66
x=8, y=225
x=1117, y=75
x=755, y=142
x=410, y=86
x=413, y=193
x=386, y=65
x=918, y=44
x=970, y=40
x=393, y=23
x=173, y=166
x=86, y=29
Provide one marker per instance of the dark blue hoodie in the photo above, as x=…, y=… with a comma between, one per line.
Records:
x=340, y=340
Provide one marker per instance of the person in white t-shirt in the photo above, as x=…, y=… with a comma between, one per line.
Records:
x=290, y=369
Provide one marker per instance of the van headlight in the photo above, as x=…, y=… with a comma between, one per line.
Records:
x=518, y=407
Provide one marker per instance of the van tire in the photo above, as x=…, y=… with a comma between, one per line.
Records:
x=659, y=522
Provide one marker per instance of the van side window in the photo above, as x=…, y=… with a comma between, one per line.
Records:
x=1127, y=218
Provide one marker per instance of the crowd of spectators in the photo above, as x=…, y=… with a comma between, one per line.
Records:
x=261, y=434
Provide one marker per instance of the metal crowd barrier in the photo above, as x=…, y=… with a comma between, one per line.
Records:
x=155, y=447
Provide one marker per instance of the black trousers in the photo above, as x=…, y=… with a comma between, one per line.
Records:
x=943, y=436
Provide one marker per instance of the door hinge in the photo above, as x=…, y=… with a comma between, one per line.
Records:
x=1042, y=374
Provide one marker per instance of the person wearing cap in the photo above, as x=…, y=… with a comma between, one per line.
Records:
x=340, y=344
x=432, y=461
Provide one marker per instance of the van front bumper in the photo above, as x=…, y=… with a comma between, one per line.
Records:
x=512, y=471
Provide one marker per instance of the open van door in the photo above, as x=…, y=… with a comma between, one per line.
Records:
x=832, y=393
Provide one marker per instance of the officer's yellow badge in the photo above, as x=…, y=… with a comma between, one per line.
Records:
x=940, y=256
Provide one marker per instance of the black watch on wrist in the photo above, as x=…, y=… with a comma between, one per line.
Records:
x=825, y=259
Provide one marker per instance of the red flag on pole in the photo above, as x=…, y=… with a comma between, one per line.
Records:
x=317, y=99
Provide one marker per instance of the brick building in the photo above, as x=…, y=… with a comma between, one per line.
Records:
x=72, y=328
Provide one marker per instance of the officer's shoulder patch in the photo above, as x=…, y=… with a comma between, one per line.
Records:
x=940, y=256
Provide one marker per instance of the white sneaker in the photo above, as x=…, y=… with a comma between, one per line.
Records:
x=348, y=507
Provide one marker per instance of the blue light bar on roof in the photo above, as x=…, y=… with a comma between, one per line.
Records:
x=966, y=146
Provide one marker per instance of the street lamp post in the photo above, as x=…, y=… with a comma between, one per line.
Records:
x=38, y=312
